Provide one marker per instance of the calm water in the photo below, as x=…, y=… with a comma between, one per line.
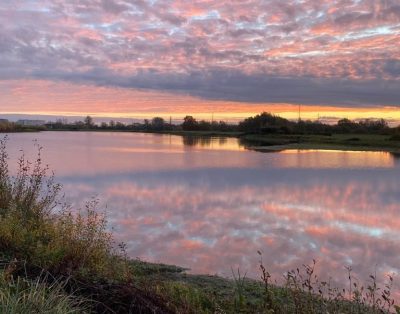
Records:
x=211, y=204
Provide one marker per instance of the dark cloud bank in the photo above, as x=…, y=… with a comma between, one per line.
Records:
x=222, y=84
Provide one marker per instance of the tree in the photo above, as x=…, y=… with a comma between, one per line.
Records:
x=264, y=122
x=61, y=122
x=157, y=123
x=89, y=122
x=204, y=125
x=119, y=126
x=189, y=123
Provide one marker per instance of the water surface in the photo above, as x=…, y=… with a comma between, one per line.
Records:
x=211, y=204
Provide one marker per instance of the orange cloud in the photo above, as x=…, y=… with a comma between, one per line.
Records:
x=66, y=99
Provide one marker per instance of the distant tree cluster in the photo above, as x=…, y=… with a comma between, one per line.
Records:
x=157, y=124
x=191, y=124
x=268, y=123
x=264, y=123
x=363, y=126
x=8, y=127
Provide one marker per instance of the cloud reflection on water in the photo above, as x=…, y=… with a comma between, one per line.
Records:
x=210, y=208
x=202, y=221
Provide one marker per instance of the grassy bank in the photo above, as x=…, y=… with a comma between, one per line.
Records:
x=56, y=259
x=360, y=142
x=279, y=142
x=263, y=132
x=10, y=127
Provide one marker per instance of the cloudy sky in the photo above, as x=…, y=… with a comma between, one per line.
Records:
x=133, y=58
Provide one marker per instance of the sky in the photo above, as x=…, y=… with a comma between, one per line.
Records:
x=141, y=58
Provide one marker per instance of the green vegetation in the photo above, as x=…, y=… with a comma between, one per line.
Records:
x=10, y=127
x=54, y=259
x=264, y=123
x=20, y=295
x=263, y=132
x=40, y=235
x=301, y=292
x=360, y=142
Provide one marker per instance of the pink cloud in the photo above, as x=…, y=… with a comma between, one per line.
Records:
x=123, y=43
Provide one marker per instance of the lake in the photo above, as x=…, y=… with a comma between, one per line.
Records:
x=211, y=204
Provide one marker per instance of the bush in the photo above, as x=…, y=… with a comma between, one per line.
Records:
x=35, y=227
x=40, y=234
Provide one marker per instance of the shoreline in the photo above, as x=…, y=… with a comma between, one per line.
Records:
x=305, y=147
x=279, y=142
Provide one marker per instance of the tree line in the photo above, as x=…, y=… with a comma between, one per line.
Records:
x=9, y=127
x=157, y=124
x=264, y=123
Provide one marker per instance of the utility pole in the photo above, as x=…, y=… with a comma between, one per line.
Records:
x=299, y=112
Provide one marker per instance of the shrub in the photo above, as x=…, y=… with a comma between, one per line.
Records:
x=37, y=228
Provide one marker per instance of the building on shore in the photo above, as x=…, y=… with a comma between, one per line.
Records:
x=31, y=122
x=4, y=121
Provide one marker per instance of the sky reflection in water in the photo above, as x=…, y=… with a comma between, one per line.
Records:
x=211, y=204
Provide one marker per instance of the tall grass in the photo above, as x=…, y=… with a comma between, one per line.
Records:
x=305, y=292
x=36, y=227
x=39, y=234
x=20, y=295
x=239, y=281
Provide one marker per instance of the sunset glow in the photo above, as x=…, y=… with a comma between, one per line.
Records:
x=68, y=100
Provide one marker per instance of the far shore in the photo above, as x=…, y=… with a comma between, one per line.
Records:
x=280, y=142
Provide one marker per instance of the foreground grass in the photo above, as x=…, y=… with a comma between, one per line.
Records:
x=54, y=259
x=302, y=292
x=19, y=295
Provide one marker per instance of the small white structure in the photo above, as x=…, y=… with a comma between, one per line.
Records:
x=31, y=122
